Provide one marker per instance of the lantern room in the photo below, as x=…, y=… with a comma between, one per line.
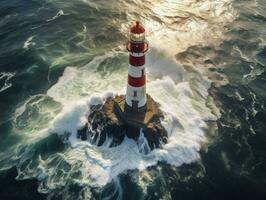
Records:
x=137, y=43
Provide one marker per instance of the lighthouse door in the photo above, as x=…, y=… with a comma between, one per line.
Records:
x=135, y=105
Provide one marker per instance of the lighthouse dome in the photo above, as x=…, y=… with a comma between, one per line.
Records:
x=138, y=28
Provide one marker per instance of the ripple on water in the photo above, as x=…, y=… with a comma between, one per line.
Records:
x=5, y=78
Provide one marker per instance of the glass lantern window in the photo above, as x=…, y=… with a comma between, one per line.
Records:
x=137, y=37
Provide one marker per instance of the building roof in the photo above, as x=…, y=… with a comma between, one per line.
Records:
x=138, y=28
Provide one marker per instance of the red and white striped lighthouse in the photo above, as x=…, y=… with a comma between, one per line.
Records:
x=137, y=46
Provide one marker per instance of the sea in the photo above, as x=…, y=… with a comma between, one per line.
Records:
x=205, y=68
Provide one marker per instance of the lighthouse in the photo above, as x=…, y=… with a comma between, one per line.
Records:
x=137, y=46
x=133, y=114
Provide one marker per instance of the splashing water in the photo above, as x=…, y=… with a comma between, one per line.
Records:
x=143, y=144
x=100, y=165
x=181, y=91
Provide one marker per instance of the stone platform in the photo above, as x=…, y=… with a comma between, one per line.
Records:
x=140, y=120
x=111, y=120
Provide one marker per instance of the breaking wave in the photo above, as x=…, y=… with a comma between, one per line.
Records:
x=64, y=109
x=5, y=80
x=181, y=91
x=185, y=114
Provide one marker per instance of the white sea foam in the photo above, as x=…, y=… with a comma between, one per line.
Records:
x=143, y=144
x=183, y=122
x=6, y=76
x=28, y=43
x=58, y=14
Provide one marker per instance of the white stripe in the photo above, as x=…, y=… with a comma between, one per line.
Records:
x=141, y=95
x=137, y=54
x=136, y=72
x=141, y=103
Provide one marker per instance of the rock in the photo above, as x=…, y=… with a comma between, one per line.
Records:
x=110, y=120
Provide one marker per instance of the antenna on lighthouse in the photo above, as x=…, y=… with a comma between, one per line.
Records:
x=137, y=46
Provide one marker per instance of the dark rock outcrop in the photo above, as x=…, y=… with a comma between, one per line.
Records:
x=111, y=121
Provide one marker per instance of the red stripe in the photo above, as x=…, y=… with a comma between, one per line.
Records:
x=137, y=61
x=137, y=47
x=136, y=82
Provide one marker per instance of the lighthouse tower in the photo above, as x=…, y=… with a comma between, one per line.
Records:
x=137, y=46
x=134, y=114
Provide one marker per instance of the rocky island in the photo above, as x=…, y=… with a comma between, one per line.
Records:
x=133, y=115
x=111, y=120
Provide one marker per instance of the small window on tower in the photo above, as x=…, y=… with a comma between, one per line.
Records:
x=135, y=93
x=142, y=72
